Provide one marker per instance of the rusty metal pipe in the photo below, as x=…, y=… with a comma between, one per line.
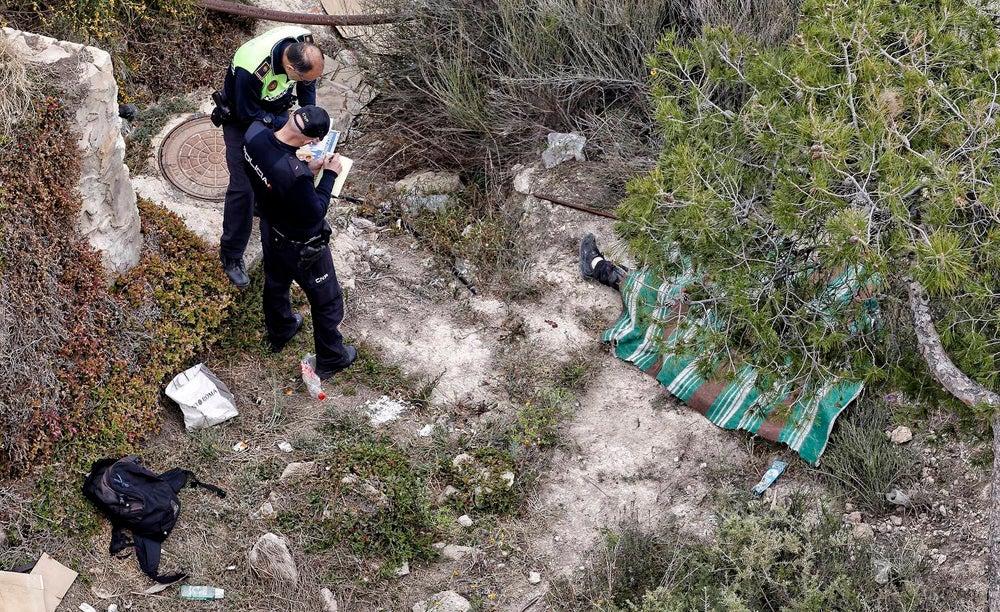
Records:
x=581, y=207
x=233, y=8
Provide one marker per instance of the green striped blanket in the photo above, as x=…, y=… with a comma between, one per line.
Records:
x=649, y=329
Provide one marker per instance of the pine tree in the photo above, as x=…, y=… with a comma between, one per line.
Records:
x=866, y=144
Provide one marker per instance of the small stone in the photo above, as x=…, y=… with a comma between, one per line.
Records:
x=522, y=179
x=534, y=577
x=430, y=182
x=896, y=520
x=899, y=498
x=563, y=147
x=448, y=492
x=298, y=469
x=445, y=601
x=901, y=435
x=284, y=447
x=454, y=552
x=883, y=572
x=853, y=518
x=462, y=459
x=329, y=601
x=403, y=569
x=508, y=477
x=86, y=607
x=267, y=510
x=863, y=531
x=465, y=520
x=113, y=608
x=943, y=510
x=426, y=431
x=363, y=224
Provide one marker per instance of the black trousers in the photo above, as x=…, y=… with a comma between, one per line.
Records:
x=319, y=282
x=237, y=213
x=609, y=274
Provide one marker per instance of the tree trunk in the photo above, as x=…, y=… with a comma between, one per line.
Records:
x=993, y=594
x=235, y=8
x=970, y=393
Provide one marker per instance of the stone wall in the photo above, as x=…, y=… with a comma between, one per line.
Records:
x=109, y=218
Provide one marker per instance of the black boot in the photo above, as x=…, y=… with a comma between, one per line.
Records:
x=350, y=356
x=278, y=344
x=235, y=270
x=588, y=251
x=604, y=272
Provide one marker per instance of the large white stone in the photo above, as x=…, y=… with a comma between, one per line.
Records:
x=109, y=217
x=445, y=601
x=271, y=558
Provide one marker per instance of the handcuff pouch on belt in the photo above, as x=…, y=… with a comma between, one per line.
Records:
x=222, y=111
x=311, y=250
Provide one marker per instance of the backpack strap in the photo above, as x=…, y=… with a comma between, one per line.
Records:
x=197, y=483
x=148, y=554
x=119, y=541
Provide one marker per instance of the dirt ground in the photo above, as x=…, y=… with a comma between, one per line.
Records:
x=629, y=447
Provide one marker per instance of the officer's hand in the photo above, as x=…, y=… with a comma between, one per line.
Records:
x=316, y=163
x=332, y=162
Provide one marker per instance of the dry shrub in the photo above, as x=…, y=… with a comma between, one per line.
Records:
x=464, y=84
x=768, y=21
x=15, y=91
x=81, y=363
x=38, y=244
x=155, y=45
x=473, y=85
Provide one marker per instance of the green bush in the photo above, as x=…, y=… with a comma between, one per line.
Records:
x=371, y=501
x=481, y=484
x=761, y=559
x=865, y=144
x=92, y=359
x=50, y=280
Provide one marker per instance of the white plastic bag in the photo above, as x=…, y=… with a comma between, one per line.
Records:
x=204, y=399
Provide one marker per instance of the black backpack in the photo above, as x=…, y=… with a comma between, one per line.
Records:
x=146, y=504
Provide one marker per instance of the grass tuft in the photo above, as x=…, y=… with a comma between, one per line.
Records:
x=861, y=462
x=15, y=92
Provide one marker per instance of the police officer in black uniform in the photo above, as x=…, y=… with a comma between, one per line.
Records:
x=295, y=235
x=258, y=87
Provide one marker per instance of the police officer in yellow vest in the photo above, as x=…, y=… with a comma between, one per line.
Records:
x=258, y=87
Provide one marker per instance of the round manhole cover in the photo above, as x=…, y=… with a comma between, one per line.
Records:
x=193, y=158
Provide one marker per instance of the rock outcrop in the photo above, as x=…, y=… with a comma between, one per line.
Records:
x=109, y=218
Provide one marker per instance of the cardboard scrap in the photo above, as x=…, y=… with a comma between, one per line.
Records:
x=21, y=593
x=56, y=577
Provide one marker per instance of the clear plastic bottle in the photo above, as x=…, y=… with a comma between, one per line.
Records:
x=313, y=383
x=201, y=592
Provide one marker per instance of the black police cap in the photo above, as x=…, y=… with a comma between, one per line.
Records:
x=312, y=121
